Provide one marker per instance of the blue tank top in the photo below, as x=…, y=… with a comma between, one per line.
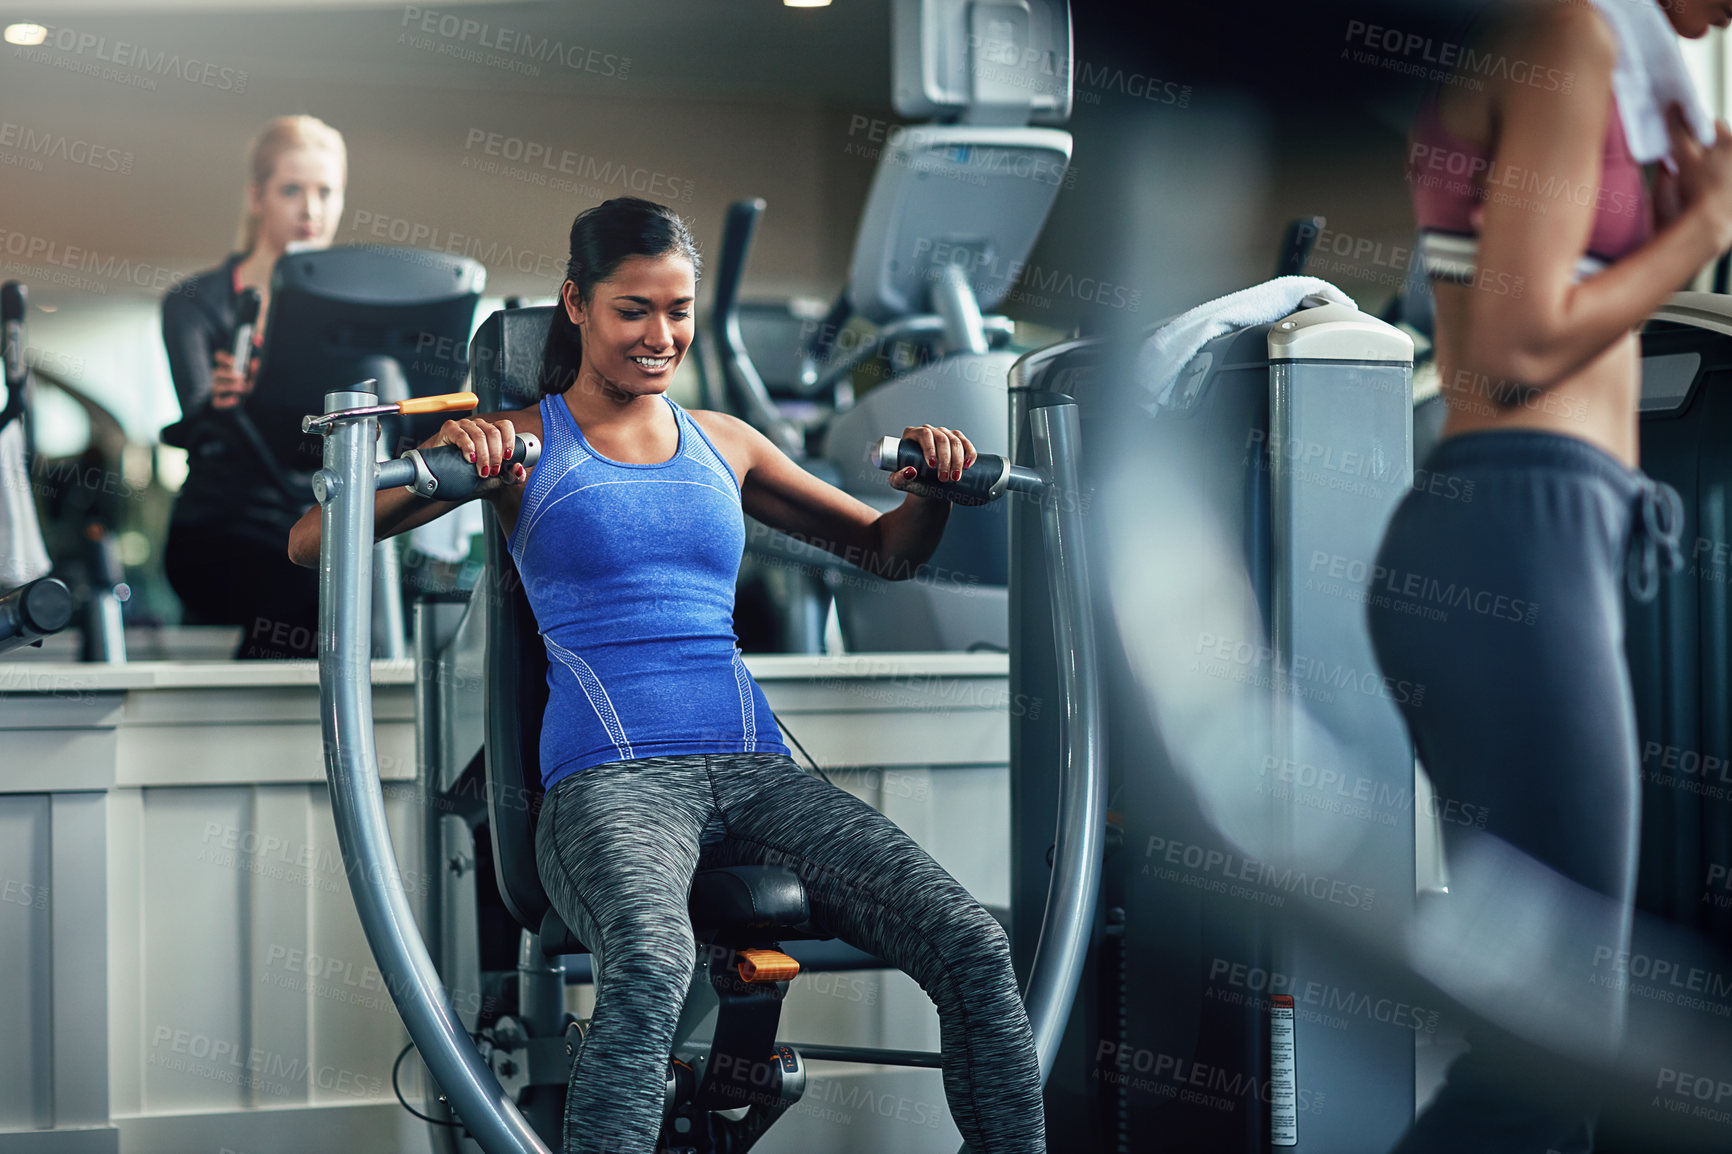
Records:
x=630, y=570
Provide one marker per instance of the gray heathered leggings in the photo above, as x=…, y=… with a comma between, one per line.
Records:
x=617, y=846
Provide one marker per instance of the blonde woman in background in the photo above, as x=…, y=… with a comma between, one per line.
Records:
x=226, y=555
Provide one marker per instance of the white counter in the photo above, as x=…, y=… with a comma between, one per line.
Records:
x=169, y=873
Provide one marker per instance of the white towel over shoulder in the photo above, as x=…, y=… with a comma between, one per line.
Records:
x=1170, y=348
x=1650, y=77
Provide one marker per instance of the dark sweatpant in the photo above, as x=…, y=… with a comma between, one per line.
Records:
x=224, y=578
x=617, y=846
x=1528, y=712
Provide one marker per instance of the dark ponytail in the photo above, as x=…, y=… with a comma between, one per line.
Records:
x=601, y=238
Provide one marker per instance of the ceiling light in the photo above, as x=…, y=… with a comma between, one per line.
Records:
x=28, y=35
x=807, y=3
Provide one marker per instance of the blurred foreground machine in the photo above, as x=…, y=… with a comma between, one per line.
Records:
x=1292, y=442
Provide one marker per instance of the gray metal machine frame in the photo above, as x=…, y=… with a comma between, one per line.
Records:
x=345, y=489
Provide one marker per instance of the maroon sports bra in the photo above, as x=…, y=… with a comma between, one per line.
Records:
x=1452, y=180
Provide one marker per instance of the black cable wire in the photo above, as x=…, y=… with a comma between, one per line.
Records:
x=786, y=732
x=396, y=1067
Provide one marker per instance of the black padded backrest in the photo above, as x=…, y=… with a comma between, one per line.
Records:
x=505, y=367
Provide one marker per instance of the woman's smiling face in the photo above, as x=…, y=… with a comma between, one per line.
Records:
x=637, y=324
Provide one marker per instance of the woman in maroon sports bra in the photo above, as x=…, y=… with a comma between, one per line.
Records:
x=1546, y=253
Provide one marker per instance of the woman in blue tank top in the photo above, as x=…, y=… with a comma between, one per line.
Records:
x=658, y=749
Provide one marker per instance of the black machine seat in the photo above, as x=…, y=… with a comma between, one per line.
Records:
x=730, y=904
x=747, y=898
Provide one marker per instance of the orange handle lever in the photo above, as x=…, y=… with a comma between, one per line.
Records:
x=444, y=403
x=766, y=966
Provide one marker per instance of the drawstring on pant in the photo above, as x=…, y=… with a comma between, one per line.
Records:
x=1656, y=531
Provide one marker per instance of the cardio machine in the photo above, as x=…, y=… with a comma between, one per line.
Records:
x=955, y=208
x=500, y=1069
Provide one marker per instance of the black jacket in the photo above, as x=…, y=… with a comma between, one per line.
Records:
x=227, y=486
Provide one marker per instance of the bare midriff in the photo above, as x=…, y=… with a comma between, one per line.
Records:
x=1597, y=403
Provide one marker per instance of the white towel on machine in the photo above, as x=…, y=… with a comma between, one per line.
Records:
x=1650, y=77
x=1168, y=349
x=22, y=555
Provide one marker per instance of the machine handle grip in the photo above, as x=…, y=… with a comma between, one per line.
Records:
x=246, y=321
x=985, y=480
x=444, y=403
x=443, y=472
x=33, y=611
